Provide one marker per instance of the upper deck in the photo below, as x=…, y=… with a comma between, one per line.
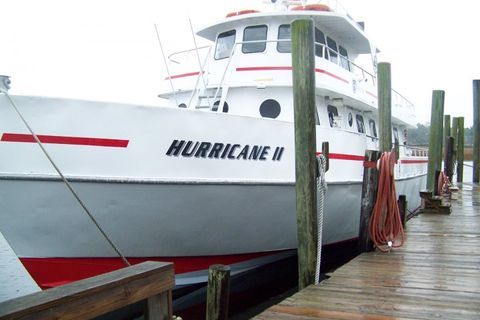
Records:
x=253, y=50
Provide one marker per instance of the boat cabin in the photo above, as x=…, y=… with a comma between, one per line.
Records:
x=247, y=70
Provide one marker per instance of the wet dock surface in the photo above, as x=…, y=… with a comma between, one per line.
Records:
x=435, y=275
x=15, y=281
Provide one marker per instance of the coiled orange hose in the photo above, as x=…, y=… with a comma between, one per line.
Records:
x=385, y=224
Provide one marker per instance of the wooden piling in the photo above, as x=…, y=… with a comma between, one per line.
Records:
x=476, y=130
x=303, y=63
x=369, y=195
x=402, y=207
x=326, y=153
x=460, y=149
x=385, y=106
x=446, y=128
x=436, y=135
x=218, y=292
x=450, y=142
x=454, y=134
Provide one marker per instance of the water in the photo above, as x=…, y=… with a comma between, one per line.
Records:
x=467, y=172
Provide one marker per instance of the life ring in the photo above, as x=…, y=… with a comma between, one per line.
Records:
x=311, y=7
x=238, y=13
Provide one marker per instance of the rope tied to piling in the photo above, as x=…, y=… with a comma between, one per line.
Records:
x=321, y=190
x=385, y=225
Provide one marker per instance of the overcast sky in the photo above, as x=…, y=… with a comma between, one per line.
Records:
x=107, y=49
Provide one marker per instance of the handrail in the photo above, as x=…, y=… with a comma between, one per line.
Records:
x=364, y=73
x=89, y=298
x=185, y=51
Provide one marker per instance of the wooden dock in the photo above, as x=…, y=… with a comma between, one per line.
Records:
x=15, y=281
x=435, y=275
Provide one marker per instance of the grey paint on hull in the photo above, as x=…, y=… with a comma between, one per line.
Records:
x=41, y=218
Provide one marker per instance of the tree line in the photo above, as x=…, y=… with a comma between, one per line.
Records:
x=419, y=136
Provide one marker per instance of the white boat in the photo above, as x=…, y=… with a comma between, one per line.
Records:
x=209, y=178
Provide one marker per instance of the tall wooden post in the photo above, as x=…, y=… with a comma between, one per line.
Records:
x=476, y=130
x=385, y=106
x=454, y=134
x=460, y=149
x=436, y=136
x=449, y=143
x=446, y=127
x=369, y=195
x=303, y=63
x=218, y=292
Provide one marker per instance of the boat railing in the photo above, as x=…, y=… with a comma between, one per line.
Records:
x=364, y=76
x=414, y=151
x=185, y=52
x=341, y=59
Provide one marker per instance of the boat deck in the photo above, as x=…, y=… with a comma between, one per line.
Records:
x=435, y=275
x=15, y=281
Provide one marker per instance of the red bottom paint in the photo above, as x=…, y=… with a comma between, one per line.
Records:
x=53, y=272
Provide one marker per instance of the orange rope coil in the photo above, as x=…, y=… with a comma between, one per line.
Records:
x=385, y=223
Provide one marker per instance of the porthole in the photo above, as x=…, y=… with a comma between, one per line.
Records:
x=270, y=109
x=182, y=105
x=217, y=103
x=350, y=119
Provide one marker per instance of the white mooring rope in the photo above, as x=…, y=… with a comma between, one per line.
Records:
x=40, y=144
x=321, y=189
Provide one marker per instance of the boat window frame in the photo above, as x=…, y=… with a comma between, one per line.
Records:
x=287, y=44
x=332, y=51
x=344, y=62
x=227, y=34
x=373, y=128
x=396, y=136
x=319, y=49
x=332, y=112
x=360, y=123
x=245, y=42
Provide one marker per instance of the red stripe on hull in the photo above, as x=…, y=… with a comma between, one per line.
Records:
x=190, y=74
x=288, y=68
x=52, y=272
x=85, y=141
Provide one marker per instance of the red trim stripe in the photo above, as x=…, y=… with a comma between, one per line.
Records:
x=52, y=272
x=372, y=94
x=85, y=141
x=331, y=75
x=352, y=157
x=288, y=68
x=342, y=156
x=183, y=75
x=264, y=68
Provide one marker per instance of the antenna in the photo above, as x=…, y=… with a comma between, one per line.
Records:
x=166, y=65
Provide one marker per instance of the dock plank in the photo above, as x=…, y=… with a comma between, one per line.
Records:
x=15, y=281
x=435, y=275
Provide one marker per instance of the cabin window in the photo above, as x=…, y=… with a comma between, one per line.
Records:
x=332, y=115
x=373, y=128
x=255, y=33
x=350, y=119
x=360, y=124
x=284, y=33
x=395, y=135
x=225, y=43
x=333, y=50
x=319, y=43
x=344, y=58
x=270, y=109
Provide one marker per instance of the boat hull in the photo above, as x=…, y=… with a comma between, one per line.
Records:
x=58, y=243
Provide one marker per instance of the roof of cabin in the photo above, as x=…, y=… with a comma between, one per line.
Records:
x=339, y=26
